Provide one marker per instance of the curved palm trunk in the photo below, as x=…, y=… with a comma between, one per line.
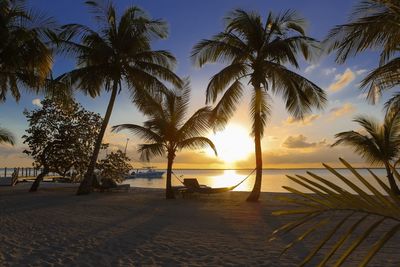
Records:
x=38, y=179
x=86, y=185
x=392, y=182
x=255, y=193
x=169, y=193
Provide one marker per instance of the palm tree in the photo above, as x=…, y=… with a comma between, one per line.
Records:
x=256, y=52
x=25, y=55
x=6, y=136
x=119, y=52
x=167, y=131
x=380, y=144
x=373, y=24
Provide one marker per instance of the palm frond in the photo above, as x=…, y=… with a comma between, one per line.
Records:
x=359, y=218
x=6, y=136
x=197, y=124
x=196, y=143
x=373, y=24
x=148, y=151
x=226, y=106
x=260, y=110
x=144, y=133
x=382, y=78
x=362, y=145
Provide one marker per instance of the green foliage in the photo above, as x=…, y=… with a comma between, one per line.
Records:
x=374, y=24
x=25, y=55
x=339, y=219
x=61, y=138
x=114, y=166
x=6, y=136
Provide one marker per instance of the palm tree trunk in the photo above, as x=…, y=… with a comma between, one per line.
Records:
x=86, y=185
x=392, y=182
x=169, y=193
x=38, y=179
x=255, y=193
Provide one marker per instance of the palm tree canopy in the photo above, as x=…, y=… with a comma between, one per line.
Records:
x=168, y=129
x=373, y=24
x=118, y=50
x=25, y=53
x=6, y=136
x=380, y=144
x=258, y=50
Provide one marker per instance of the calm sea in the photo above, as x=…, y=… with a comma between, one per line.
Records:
x=273, y=180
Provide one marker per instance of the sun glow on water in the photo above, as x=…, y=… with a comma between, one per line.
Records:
x=233, y=144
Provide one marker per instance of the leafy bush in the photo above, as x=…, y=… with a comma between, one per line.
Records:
x=114, y=166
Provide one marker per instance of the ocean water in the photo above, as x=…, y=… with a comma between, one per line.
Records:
x=273, y=180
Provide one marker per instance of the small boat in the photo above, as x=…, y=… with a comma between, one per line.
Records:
x=145, y=172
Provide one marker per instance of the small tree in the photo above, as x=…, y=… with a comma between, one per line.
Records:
x=114, y=166
x=60, y=138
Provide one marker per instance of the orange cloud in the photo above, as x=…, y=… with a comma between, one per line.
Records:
x=342, y=80
x=307, y=120
x=300, y=141
x=346, y=108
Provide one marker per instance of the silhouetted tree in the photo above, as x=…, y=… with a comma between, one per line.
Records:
x=380, y=144
x=118, y=52
x=167, y=130
x=61, y=138
x=256, y=52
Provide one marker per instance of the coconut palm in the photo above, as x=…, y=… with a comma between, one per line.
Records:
x=255, y=52
x=167, y=130
x=6, y=136
x=373, y=24
x=380, y=144
x=25, y=55
x=118, y=52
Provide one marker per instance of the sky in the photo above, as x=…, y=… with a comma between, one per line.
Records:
x=287, y=143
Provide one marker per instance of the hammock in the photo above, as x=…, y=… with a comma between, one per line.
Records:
x=191, y=185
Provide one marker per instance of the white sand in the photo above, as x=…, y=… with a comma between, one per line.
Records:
x=53, y=227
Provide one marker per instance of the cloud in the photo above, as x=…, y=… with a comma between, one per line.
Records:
x=300, y=141
x=342, y=80
x=328, y=71
x=361, y=71
x=307, y=120
x=37, y=102
x=310, y=68
x=340, y=111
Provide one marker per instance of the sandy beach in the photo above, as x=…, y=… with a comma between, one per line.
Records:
x=53, y=227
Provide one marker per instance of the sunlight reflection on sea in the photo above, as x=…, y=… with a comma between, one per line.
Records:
x=273, y=180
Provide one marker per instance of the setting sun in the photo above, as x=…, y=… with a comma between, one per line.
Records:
x=233, y=143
